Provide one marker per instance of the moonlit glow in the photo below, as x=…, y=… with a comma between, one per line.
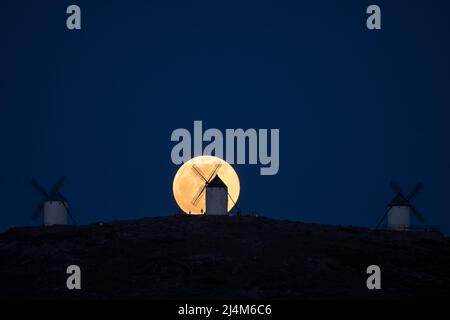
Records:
x=188, y=182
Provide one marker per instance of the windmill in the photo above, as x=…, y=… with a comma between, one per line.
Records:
x=399, y=209
x=216, y=192
x=216, y=197
x=54, y=206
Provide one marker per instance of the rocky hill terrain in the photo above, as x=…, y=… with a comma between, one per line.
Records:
x=191, y=257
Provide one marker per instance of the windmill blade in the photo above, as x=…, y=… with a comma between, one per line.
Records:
x=416, y=190
x=37, y=212
x=39, y=188
x=199, y=193
x=58, y=185
x=239, y=211
x=68, y=212
x=199, y=172
x=59, y=194
x=382, y=218
x=417, y=214
x=234, y=202
x=214, y=172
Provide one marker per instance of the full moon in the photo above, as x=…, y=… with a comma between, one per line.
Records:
x=190, y=181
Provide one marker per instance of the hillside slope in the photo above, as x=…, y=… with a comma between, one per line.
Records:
x=180, y=257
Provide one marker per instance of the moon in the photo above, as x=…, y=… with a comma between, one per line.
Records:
x=190, y=179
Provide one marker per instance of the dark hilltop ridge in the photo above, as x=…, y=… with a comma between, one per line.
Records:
x=206, y=257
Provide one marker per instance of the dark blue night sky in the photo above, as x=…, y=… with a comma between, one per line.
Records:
x=355, y=108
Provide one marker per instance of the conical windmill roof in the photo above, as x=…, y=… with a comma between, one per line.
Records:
x=216, y=182
x=399, y=201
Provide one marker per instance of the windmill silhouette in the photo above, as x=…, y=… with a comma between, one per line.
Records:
x=209, y=182
x=398, y=212
x=54, y=205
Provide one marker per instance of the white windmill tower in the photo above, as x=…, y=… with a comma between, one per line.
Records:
x=399, y=210
x=54, y=205
x=216, y=197
x=216, y=192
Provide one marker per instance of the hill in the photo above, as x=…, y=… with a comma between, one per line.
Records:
x=190, y=257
